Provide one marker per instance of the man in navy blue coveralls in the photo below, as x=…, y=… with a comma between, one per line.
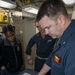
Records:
x=53, y=18
x=44, y=46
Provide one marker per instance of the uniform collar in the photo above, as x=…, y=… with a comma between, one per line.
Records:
x=68, y=32
x=7, y=43
x=64, y=38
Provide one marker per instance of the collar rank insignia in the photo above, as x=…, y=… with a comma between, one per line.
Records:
x=18, y=48
x=49, y=41
x=57, y=59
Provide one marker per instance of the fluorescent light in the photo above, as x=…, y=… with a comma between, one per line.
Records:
x=69, y=2
x=30, y=8
x=7, y=4
x=17, y=13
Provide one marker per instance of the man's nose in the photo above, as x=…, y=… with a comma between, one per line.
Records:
x=46, y=31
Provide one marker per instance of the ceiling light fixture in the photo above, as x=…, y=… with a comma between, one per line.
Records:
x=17, y=13
x=7, y=4
x=69, y=2
x=30, y=9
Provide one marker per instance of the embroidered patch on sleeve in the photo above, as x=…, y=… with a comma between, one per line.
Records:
x=57, y=59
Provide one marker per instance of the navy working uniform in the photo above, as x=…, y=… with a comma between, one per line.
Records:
x=0, y=62
x=62, y=59
x=11, y=55
x=44, y=47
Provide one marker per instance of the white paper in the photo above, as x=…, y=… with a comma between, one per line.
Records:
x=26, y=74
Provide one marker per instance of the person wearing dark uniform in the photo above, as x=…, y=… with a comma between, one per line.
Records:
x=66, y=58
x=1, y=38
x=53, y=18
x=0, y=62
x=11, y=52
x=44, y=46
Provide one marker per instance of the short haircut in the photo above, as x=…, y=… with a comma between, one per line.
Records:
x=52, y=9
x=7, y=28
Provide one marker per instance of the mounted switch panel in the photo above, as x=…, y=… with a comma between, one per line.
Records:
x=4, y=17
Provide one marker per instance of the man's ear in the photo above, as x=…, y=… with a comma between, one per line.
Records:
x=62, y=19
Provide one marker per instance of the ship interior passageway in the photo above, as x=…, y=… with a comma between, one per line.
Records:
x=18, y=14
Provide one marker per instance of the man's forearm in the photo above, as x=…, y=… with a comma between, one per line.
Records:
x=29, y=57
x=44, y=70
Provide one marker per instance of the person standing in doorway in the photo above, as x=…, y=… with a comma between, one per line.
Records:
x=44, y=46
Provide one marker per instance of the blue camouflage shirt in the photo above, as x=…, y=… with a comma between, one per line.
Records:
x=62, y=59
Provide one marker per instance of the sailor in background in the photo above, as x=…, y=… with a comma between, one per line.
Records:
x=11, y=52
x=44, y=46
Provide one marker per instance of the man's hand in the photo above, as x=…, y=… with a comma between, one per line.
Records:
x=30, y=61
x=3, y=67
